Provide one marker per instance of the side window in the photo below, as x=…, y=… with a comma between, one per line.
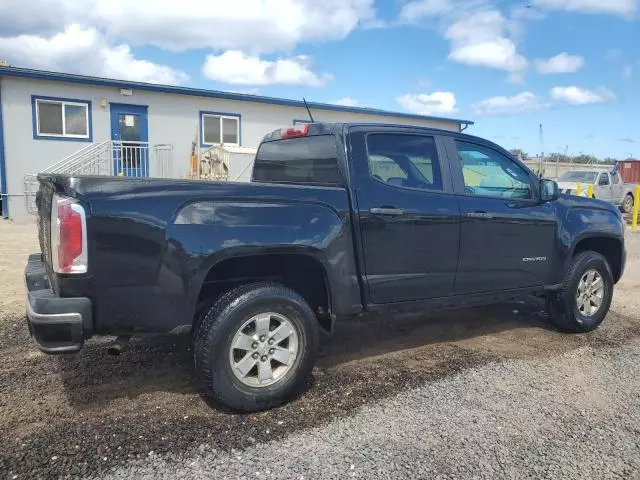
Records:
x=404, y=160
x=61, y=118
x=488, y=173
x=220, y=129
x=603, y=179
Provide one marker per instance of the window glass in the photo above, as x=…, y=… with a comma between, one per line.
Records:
x=211, y=129
x=312, y=160
x=220, y=129
x=488, y=173
x=75, y=117
x=62, y=118
x=129, y=127
x=604, y=179
x=577, y=176
x=404, y=160
x=50, y=118
x=230, y=130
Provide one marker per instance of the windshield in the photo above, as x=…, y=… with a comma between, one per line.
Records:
x=585, y=177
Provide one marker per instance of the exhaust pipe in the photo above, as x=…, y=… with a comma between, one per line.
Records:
x=119, y=345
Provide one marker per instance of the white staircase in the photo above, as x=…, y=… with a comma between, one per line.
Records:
x=110, y=158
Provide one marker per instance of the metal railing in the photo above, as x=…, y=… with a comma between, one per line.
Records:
x=162, y=161
x=110, y=158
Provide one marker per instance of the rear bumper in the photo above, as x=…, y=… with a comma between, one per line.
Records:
x=57, y=325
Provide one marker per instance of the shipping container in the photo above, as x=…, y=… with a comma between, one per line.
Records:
x=629, y=170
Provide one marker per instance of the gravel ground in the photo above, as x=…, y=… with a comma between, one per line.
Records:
x=463, y=394
x=575, y=416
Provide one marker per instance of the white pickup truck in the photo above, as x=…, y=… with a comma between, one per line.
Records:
x=607, y=185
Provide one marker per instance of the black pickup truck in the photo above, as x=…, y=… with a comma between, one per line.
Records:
x=339, y=221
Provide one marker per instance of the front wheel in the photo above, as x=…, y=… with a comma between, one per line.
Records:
x=627, y=203
x=254, y=348
x=584, y=300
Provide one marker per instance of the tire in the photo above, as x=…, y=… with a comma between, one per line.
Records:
x=563, y=306
x=218, y=364
x=627, y=203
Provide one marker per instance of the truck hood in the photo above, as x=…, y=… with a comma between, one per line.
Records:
x=572, y=201
x=569, y=187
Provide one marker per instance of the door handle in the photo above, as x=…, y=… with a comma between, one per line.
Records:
x=387, y=211
x=480, y=215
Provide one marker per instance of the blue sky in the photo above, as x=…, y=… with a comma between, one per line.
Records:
x=572, y=65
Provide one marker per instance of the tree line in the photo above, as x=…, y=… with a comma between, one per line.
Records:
x=562, y=158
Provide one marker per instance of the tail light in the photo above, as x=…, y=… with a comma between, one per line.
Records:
x=68, y=236
x=296, y=131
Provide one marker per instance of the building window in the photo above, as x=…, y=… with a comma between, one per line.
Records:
x=220, y=128
x=61, y=119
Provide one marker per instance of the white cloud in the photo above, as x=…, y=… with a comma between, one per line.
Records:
x=579, y=96
x=85, y=51
x=437, y=103
x=483, y=39
x=627, y=72
x=561, y=63
x=346, y=102
x=256, y=26
x=237, y=68
x=523, y=103
x=418, y=9
x=615, y=7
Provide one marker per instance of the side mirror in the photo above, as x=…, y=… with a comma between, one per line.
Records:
x=548, y=190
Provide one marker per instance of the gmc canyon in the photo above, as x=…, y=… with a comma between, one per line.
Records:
x=339, y=221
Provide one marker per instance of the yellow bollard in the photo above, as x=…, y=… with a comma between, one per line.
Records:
x=590, y=191
x=579, y=189
x=634, y=218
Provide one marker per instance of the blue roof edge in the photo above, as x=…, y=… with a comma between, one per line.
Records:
x=242, y=97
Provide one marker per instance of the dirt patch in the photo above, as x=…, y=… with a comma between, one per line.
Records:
x=81, y=414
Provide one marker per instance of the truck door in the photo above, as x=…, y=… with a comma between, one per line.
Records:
x=616, y=188
x=408, y=215
x=603, y=187
x=507, y=235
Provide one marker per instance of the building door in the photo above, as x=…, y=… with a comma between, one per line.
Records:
x=130, y=135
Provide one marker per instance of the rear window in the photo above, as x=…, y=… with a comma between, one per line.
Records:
x=311, y=160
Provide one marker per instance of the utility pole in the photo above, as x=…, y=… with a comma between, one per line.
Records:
x=541, y=166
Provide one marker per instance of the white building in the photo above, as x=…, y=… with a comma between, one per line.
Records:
x=47, y=116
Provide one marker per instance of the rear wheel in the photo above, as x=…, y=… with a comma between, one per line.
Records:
x=584, y=301
x=255, y=346
x=627, y=203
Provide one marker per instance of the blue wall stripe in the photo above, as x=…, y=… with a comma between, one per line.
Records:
x=105, y=82
x=3, y=165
